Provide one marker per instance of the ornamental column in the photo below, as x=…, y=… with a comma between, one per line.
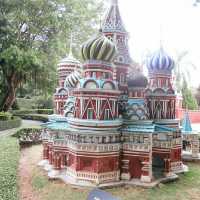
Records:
x=167, y=170
x=146, y=176
x=125, y=175
x=195, y=146
x=45, y=151
x=50, y=156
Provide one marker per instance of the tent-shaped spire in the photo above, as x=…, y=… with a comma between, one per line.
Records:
x=186, y=126
x=70, y=47
x=113, y=21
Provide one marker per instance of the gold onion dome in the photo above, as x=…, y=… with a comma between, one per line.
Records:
x=99, y=48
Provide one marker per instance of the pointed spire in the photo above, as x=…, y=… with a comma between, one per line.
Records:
x=114, y=2
x=186, y=126
x=161, y=37
x=70, y=47
x=113, y=21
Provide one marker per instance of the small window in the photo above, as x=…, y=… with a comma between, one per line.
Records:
x=122, y=78
x=90, y=113
x=121, y=59
x=106, y=114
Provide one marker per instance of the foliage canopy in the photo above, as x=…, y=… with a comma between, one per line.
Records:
x=32, y=37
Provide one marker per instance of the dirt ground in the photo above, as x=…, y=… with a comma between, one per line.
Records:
x=29, y=158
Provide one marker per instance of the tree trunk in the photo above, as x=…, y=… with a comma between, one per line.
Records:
x=9, y=97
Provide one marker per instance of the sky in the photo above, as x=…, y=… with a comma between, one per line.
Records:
x=174, y=23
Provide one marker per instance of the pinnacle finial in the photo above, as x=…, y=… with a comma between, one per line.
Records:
x=161, y=36
x=114, y=2
x=70, y=47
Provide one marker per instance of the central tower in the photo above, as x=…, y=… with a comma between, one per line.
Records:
x=114, y=29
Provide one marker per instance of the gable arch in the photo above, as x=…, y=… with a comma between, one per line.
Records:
x=90, y=84
x=109, y=85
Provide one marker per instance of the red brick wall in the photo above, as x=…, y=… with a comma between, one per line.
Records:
x=193, y=114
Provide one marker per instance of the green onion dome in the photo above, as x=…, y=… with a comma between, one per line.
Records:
x=99, y=48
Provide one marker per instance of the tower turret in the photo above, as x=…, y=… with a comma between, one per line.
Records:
x=66, y=67
x=160, y=93
x=114, y=29
x=97, y=94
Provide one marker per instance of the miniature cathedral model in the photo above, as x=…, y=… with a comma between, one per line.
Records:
x=110, y=129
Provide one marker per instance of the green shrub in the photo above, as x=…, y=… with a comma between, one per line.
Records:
x=45, y=111
x=9, y=157
x=37, y=102
x=36, y=117
x=32, y=111
x=44, y=103
x=26, y=131
x=12, y=123
x=24, y=112
x=26, y=104
x=4, y=116
x=29, y=136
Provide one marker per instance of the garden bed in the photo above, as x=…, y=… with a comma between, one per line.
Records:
x=29, y=136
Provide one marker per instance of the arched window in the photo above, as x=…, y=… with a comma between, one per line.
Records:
x=121, y=59
x=108, y=86
x=90, y=85
x=110, y=37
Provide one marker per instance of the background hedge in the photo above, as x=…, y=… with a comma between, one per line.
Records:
x=9, y=157
x=36, y=117
x=4, y=116
x=11, y=123
x=32, y=111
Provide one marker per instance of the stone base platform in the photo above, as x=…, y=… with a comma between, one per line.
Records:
x=188, y=157
x=62, y=175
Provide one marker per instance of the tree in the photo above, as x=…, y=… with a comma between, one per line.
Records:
x=189, y=101
x=182, y=70
x=33, y=34
x=197, y=95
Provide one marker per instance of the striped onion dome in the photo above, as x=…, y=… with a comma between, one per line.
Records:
x=72, y=79
x=99, y=48
x=160, y=62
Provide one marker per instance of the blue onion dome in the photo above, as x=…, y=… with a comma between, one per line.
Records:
x=160, y=62
x=99, y=48
x=138, y=80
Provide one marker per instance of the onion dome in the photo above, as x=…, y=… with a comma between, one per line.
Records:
x=99, y=48
x=160, y=62
x=72, y=79
x=138, y=81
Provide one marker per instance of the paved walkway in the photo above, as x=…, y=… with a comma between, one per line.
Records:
x=25, y=124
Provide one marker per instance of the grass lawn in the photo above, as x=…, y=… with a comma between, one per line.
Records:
x=186, y=188
x=9, y=157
